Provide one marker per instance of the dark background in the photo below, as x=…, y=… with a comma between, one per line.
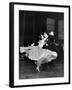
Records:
x=32, y=23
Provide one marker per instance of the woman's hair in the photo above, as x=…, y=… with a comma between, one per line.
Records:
x=42, y=33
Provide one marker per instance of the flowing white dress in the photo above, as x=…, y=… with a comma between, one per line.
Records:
x=38, y=54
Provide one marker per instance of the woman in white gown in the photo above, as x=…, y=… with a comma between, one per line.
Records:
x=38, y=54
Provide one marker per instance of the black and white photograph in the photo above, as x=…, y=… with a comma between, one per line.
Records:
x=40, y=44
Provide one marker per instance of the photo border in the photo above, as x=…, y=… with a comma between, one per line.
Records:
x=11, y=43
